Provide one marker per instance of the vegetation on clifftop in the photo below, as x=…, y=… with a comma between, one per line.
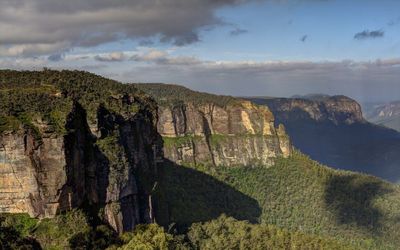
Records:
x=48, y=96
x=169, y=94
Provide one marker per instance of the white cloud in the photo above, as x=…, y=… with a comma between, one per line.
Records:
x=111, y=57
x=145, y=55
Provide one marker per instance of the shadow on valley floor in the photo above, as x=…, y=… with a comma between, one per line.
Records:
x=187, y=196
x=351, y=198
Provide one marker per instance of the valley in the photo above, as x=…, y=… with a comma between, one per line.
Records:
x=333, y=131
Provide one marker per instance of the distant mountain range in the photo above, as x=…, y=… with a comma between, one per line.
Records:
x=332, y=130
x=386, y=114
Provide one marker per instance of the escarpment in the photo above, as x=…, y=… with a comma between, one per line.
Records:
x=335, y=109
x=205, y=129
x=70, y=140
x=332, y=130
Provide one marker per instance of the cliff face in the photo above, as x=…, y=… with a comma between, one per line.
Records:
x=107, y=167
x=71, y=139
x=332, y=130
x=197, y=130
x=335, y=109
x=32, y=173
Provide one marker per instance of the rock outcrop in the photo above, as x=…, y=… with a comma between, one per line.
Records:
x=335, y=109
x=199, y=130
x=332, y=130
x=107, y=167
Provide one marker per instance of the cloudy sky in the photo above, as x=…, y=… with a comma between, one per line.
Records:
x=234, y=47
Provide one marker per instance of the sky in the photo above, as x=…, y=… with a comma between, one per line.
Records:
x=231, y=47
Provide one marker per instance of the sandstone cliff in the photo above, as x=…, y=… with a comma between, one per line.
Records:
x=205, y=129
x=335, y=109
x=75, y=140
x=332, y=130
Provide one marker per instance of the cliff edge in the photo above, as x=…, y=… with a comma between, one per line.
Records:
x=205, y=129
x=70, y=139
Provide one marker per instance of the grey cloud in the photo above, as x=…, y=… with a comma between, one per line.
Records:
x=366, y=34
x=149, y=56
x=146, y=42
x=238, y=31
x=163, y=58
x=303, y=38
x=56, y=57
x=111, y=57
x=181, y=40
x=94, y=67
x=30, y=27
x=154, y=57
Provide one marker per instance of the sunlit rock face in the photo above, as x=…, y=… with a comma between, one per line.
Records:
x=205, y=129
x=31, y=174
x=238, y=134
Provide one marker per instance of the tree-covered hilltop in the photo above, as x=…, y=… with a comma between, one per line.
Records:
x=169, y=94
x=49, y=94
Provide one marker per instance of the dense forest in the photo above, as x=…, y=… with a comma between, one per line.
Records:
x=169, y=94
x=30, y=95
x=72, y=231
x=297, y=194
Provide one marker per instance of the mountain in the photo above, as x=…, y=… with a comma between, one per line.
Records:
x=200, y=128
x=386, y=114
x=332, y=130
x=294, y=192
x=90, y=163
